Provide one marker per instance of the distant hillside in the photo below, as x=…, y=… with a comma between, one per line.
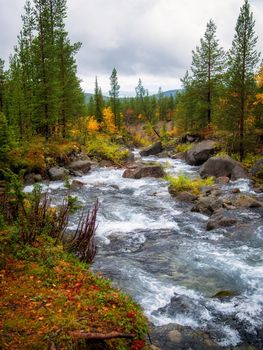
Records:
x=167, y=93
x=88, y=95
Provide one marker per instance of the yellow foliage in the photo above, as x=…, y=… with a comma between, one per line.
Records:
x=108, y=118
x=92, y=125
x=259, y=98
x=259, y=77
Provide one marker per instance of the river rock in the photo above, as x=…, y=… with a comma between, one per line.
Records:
x=152, y=149
x=130, y=157
x=207, y=205
x=219, y=220
x=257, y=168
x=76, y=184
x=189, y=138
x=80, y=165
x=182, y=196
x=258, y=188
x=245, y=201
x=33, y=178
x=179, y=155
x=222, y=180
x=200, y=152
x=210, y=190
x=223, y=166
x=58, y=173
x=144, y=171
x=175, y=336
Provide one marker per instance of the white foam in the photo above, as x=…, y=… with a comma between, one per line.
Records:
x=46, y=187
x=232, y=337
x=133, y=222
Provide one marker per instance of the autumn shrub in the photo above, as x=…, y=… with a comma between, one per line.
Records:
x=183, y=183
x=37, y=155
x=83, y=241
x=102, y=148
x=250, y=160
x=183, y=147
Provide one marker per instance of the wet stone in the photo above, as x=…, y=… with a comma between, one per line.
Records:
x=175, y=336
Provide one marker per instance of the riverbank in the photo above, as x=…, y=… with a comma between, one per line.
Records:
x=49, y=299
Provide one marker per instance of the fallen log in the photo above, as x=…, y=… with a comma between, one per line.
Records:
x=100, y=336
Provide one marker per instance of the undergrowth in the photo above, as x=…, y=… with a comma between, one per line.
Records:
x=48, y=296
x=102, y=148
x=58, y=295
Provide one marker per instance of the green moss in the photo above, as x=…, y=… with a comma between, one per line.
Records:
x=184, y=183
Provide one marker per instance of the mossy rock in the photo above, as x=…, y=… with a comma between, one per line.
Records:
x=224, y=294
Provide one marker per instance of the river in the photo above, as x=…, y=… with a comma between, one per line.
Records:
x=158, y=251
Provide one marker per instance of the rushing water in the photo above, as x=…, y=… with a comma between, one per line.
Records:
x=158, y=251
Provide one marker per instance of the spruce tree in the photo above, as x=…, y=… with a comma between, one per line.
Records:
x=4, y=137
x=98, y=102
x=44, y=93
x=2, y=84
x=114, y=97
x=242, y=60
x=208, y=63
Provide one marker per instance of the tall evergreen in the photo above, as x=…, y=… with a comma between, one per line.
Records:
x=114, y=98
x=208, y=63
x=4, y=138
x=98, y=102
x=45, y=93
x=2, y=83
x=242, y=60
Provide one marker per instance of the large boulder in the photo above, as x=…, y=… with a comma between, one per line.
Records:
x=200, y=152
x=144, y=171
x=223, y=166
x=152, y=150
x=58, y=173
x=80, y=165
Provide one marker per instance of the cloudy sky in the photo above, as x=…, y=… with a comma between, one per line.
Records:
x=150, y=39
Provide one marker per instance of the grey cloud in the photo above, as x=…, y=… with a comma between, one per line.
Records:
x=151, y=38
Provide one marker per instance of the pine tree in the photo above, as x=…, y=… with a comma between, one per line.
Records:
x=114, y=98
x=98, y=102
x=242, y=59
x=71, y=97
x=42, y=82
x=4, y=137
x=208, y=63
x=2, y=83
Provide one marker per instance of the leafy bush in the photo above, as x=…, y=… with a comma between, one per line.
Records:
x=250, y=160
x=184, y=147
x=184, y=183
x=102, y=148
